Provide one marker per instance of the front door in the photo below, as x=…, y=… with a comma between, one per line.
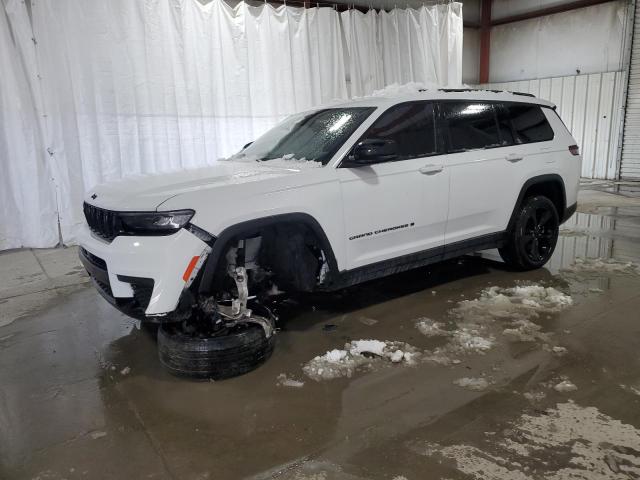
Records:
x=399, y=206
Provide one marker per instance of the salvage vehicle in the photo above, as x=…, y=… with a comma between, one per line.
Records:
x=327, y=199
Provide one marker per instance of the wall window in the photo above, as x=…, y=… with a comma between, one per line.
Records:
x=471, y=125
x=411, y=126
x=529, y=123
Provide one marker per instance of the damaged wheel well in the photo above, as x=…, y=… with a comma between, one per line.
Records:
x=293, y=245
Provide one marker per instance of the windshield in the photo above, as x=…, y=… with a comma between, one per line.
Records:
x=309, y=136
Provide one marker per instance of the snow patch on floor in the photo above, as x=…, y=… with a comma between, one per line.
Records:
x=359, y=354
x=601, y=266
x=431, y=328
x=565, y=386
x=632, y=389
x=567, y=442
x=474, y=384
x=284, y=381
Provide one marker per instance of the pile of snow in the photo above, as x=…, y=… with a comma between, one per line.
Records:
x=521, y=302
x=396, y=89
x=475, y=384
x=602, y=266
x=356, y=355
x=565, y=386
x=469, y=339
x=286, y=161
x=518, y=306
x=431, y=328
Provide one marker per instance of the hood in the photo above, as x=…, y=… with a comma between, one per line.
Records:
x=148, y=192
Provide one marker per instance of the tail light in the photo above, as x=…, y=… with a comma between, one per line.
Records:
x=574, y=149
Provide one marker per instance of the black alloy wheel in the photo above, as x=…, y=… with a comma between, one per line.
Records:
x=534, y=235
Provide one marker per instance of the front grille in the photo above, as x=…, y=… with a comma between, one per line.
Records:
x=104, y=223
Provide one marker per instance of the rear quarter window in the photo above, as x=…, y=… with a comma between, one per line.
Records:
x=529, y=123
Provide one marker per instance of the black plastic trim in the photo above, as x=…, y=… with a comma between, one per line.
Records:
x=568, y=212
x=551, y=177
x=403, y=263
x=255, y=226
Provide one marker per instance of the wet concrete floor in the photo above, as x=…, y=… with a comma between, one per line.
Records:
x=82, y=394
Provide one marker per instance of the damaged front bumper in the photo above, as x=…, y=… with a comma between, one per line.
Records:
x=143, y=276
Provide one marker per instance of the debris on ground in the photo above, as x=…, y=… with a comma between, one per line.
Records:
x=96, y=434
x=475, y=384
x=284, y=381
x=359, y=354
x=125, y=371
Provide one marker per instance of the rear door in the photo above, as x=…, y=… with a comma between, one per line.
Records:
x=484, y=175
x=398, y=207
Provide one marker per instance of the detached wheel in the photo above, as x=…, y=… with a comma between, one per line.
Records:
x=533, y=238
x=241, y=350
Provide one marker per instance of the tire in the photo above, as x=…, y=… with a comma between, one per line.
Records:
x=240, y=351
x=534, y=235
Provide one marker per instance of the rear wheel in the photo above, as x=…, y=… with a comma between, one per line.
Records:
x=533, y=238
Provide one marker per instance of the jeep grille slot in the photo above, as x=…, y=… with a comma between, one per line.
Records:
x=103, y=223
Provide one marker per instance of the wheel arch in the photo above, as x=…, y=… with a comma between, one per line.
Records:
x=549, y=185
x=256, y=226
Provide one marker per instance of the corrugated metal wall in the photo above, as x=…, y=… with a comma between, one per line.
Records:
x=591, y=107
x=630, y=167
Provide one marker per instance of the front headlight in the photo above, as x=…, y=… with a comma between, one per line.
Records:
x=155, y=222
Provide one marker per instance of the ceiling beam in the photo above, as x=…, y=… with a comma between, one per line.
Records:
x=543, y=12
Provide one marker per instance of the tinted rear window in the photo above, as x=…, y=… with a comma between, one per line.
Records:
x=411, y=126
x=529, y=123
x=471, y=125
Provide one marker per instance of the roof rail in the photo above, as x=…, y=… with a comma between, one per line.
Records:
x=454, y=90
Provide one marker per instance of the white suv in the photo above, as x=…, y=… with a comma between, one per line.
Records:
x=327, y=199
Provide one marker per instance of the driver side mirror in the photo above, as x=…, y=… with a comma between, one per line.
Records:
x=373, y=150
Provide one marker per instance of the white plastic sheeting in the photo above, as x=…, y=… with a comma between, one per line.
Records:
x=402, y=46
x=591, y=106
x=27, y=202
x=126, y=87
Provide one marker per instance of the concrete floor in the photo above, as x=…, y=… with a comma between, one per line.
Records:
x=83, y=396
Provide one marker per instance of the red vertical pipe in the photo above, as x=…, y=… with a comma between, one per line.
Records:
x=485, y=40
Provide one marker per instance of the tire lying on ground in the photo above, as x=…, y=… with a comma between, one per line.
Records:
x=243, y=349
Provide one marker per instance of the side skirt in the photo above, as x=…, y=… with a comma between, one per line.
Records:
x=385, y=268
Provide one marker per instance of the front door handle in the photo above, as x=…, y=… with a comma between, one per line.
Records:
x=514, y=157
x=431, y=169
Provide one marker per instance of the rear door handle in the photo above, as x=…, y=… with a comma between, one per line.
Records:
x=431, y=169
x=514, y=157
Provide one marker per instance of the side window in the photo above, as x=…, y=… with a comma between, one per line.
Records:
x=411, y=126
x=529, y=123
x=471, y=125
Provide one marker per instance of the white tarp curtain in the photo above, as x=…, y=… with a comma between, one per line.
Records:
x=27, y=201
x=125, y=87
x=402, y=46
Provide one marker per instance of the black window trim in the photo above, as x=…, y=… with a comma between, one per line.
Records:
x=495, y=105
x=438, y=135
x=441, y=125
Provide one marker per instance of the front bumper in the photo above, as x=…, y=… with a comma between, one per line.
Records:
x=142, y=276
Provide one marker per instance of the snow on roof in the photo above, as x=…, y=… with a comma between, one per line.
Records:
x=421, y=91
